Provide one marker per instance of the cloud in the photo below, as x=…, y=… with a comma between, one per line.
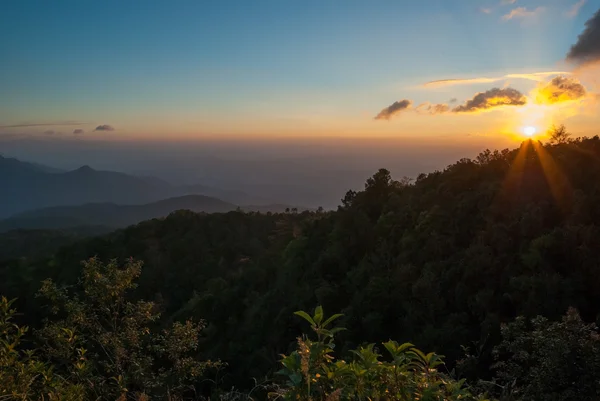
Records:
x=393, y=110
x=486, y=10
x=432, y=109
x=587, y=48
x=49, y=132
x=453, y=100
x=41, y=124
x=560, y=89
x=574, y=11
x=508, y=2
x=522, y=12
x=460, y=81
x=104, y=127
x=492, y=98
x=533, y=76
x=78, y=131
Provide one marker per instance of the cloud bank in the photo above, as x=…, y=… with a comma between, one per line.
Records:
x=482, y=101
x=393, y=110
x=78, y=131
x=587, y=48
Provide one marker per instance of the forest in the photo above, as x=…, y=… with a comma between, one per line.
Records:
x=476, y=282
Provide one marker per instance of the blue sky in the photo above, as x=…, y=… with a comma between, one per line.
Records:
x=185, y=68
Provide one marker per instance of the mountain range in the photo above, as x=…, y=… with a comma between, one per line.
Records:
x=44, y=198
x=29, y=186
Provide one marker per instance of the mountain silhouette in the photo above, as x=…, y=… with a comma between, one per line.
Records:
x=28, y=186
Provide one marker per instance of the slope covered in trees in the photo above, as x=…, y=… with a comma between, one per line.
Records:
x=442, y=262
x=110, y=214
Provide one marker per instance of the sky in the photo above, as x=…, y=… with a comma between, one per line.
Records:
x=189, y=70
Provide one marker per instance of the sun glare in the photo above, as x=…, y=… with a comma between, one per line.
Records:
x=529, y=131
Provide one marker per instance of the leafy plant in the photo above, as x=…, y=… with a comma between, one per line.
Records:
x=112, y=345
x=313, y=373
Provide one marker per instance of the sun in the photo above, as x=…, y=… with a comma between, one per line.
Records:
x=529, y=130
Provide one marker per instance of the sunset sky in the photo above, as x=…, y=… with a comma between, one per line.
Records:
x=286, y=68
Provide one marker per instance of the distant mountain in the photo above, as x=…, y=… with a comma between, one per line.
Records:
x=110, y=214
x=8, y=164
x=29, y=186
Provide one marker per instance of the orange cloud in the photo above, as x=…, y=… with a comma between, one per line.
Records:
x=559, y=90
x=493, y=98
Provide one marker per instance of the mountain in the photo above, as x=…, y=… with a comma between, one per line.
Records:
x=28, y=186
x=15, y=166
x=110, y=214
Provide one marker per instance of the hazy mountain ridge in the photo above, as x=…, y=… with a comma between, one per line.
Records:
x=28, y=186
x=110, y=214
x=113, y=216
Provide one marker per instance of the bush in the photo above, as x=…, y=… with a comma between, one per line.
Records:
x=550, y=361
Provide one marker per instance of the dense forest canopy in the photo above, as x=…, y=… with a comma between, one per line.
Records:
x=443, y=261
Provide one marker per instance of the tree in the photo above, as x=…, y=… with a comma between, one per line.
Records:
x=23, y=374
x=559, y=134
x=112, y=345
x=546, y=360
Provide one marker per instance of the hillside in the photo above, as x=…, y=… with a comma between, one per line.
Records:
x=442, y=261
x=110, y=215
x=34, y=244
x=28, y=186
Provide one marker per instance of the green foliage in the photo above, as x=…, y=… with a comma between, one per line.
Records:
x=23, y=375
x=550, y=361
x=313, y=373
x=112, y=344
x=98, y=344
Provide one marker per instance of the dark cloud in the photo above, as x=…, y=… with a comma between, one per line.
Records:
x=587, y=48
x=453, y=100
x=393, y=110
x=41, y=124
x=78, y=131
x=492, y=98
x=104, y=127
x=560, y=89
x=49, y=132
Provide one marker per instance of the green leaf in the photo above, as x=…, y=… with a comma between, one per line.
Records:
x=318, y=317
x=331, y=319
x=306, y=317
